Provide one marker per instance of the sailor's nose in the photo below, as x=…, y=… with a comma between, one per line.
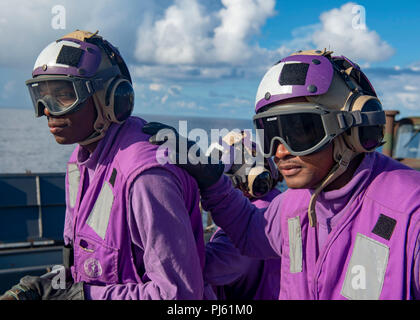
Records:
x=47, y=112
x=282, y=152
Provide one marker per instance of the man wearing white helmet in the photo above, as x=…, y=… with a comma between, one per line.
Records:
x=348, y=226
x=133, y=227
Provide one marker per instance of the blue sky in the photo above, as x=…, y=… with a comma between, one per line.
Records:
x=206, y=58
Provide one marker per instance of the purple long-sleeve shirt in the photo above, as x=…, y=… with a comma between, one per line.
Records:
x=163, y=246
x=257, y=235
x=240, y=277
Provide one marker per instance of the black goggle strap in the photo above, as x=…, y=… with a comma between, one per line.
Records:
x=346, y=120
x=97, y=83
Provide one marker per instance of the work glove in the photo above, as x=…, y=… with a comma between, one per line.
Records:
x=206, y=173
x=44, y=288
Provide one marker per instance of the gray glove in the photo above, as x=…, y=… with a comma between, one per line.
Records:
x=206, y=174
x=43, y=288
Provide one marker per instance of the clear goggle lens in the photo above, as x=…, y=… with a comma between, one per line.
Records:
x=58, y=96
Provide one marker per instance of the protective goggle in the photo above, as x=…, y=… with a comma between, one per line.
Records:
x=60, y=96
x=64, y=94
x=306, y=128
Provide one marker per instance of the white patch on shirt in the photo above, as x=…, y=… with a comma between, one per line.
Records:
x=99, y=217
x=73, y=176
x=366, y=270
x=295, y=244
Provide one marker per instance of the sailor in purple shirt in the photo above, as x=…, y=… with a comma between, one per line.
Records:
x=348, y=227
x=232, y=275
x=133, y=226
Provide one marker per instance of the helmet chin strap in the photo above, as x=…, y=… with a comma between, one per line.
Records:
x=342, y=155
x=100, y=125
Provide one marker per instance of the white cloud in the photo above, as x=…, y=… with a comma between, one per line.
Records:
x=21, y=23
x=337, y=31
x=302, y=40
x=415, y=66
x=409, y=100
x=158, y=88
x=155, y=86
x=179, y=37
x=189, y=35
x=200, y=39
x=25, y=26
x=189, y=105
x=399, y=91
x=411, y=88
x=170, y=41
x=239, y=19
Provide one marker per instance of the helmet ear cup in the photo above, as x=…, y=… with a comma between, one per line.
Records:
x=365, y=138
x=260, y=182
x=119, y=100
x=123, y=101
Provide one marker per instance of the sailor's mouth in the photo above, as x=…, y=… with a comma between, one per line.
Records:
x=56, y=127
x=289, y=169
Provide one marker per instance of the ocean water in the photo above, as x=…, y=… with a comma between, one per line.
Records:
x=26, y=143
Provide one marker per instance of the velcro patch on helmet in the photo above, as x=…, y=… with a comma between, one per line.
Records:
x=69, y=56
x=294, y=74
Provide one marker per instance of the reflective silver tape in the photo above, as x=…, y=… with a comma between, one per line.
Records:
x=366, y=270
x=73, y=175
x=295, y=244
x=99, y=217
